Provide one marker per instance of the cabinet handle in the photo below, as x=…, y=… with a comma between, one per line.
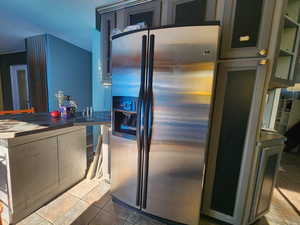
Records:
x=263, y=52
x=263, y=62
x=245, y=38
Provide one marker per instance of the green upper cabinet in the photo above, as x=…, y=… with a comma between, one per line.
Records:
x=246, y=28
x=149, y=13
x=187, y=12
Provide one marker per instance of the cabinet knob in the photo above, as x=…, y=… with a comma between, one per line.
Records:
x=245, y=38
x=263, y=52
x=263, y=62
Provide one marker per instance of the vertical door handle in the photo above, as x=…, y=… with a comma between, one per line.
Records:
x=149, y=108
x=140, y=117
x=141, y=98
x=150, y=91
x=148, y=120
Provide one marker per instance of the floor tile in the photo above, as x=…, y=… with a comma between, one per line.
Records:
x=117, y=210
x=58, y=207
x=87, y=216
x=99, y=196
x=72, y=214
x=84, y=187
x=145, y=220
x=34, y=219
x=105, y=218
x=133, y=217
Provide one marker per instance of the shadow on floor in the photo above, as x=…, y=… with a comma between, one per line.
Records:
x=288, y=181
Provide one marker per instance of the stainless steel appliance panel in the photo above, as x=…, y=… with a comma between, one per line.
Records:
x=126, y=64
x=184, y=64
x=126, y=79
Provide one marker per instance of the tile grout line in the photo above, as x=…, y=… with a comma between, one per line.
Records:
x=288, y=201
x=44, y=218
x=65, y=193
x=94, y=217
x=74, y=196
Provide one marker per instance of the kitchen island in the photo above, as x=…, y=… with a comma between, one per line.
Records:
x=40, y=157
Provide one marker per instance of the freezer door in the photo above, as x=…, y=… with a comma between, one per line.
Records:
x=183, y=74
x=128, y=73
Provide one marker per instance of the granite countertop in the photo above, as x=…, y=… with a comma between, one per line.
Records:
x=23, y=124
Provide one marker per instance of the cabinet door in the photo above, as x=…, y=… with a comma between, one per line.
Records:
x=34, y=172
x=108, y=23
x=236, y=111
x=71, y=157
x=246, y=28
x=149, y=13
x=266, y=177
x=187, y=12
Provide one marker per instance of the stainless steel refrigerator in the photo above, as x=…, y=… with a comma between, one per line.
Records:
x=162, y=85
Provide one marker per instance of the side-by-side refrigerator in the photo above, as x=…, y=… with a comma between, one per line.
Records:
x=162, y=86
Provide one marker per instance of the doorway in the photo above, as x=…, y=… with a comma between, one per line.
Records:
x=20, y=87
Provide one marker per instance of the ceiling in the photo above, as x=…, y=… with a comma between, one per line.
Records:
x=70, y=20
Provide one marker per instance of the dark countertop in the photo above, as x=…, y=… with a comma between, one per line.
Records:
x=23, y=124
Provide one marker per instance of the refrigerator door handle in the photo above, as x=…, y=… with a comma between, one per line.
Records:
x=150, y=92
x=141, y=98
x=141, y=118
x=148, y=121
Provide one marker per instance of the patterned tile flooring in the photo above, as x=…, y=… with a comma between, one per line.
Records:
x=289, y=178
x=89, y=203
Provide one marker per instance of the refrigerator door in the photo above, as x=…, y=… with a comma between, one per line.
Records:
x=184, y=62
x=128, y=74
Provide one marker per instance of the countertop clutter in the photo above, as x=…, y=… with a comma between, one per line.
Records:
x=12, y=126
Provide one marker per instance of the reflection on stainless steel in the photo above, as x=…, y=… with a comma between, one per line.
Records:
x=184, y=64
x=182, y=88
x=126, y=65
x=124, y=169
x=125, y=82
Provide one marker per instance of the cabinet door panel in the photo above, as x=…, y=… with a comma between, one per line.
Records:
x=232, y=138
x=248, y=15
x=34, y=170
x=149, y=13
x=269, y=162
x=71, y=157
x=190, y=13
x=246, y=27
x=186, y=12
x=236, y=111
x=146, y=17
x=108, y=23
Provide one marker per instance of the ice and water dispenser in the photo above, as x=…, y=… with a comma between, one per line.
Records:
x=124, y=116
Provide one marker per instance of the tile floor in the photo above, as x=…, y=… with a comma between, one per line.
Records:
x=289, y=178
x=89, y=203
